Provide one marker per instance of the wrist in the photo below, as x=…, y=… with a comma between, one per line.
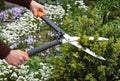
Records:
x=32, y=2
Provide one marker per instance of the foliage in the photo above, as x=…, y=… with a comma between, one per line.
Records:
x=71, y=63
x=109, y=9
x=26, y=33
x=27, y=29
x=24, y=72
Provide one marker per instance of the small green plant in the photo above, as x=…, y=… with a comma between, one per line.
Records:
x=2, y=7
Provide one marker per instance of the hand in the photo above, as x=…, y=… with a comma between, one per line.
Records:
x=16, y=57
x=34, y=6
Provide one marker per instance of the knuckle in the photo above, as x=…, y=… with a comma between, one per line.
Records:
x=19, y=50
x=15, y=64
x=21, y=59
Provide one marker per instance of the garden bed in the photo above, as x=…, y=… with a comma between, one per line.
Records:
x=68, y=63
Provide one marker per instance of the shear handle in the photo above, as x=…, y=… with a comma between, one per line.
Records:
x=50, y=23
x=42, y=48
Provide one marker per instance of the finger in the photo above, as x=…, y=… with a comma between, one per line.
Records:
x=21, y=60
x=25, y=56
x=43, y=10
x=25, y=59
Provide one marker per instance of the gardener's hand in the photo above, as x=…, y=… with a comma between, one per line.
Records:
x=16, y=57
x=34, y=6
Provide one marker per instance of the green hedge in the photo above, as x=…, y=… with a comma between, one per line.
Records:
x=73, y=64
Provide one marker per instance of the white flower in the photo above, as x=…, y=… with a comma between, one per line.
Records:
x=1, y=74
x=82, y=5
x=21, y=78
x=1, y=62
x=1, y=79
x=5, y=79
x=14, y=75
x=6, y=72
x=54, y=11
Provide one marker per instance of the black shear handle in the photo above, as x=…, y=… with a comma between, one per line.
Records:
x=50, y=23
x=42, y=48
x=50, y=44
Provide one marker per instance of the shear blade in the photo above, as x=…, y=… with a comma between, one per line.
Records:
x=93, y=54
x=69, y=38
x=87, y=50
x=73, y=41
x=99, y=39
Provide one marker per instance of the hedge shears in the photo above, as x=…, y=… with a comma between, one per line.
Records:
x=60, y=38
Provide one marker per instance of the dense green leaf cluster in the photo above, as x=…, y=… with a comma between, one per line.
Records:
x=73, y=64
x=100, y=19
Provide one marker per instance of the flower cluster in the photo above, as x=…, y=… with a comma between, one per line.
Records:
x=25, y=30
x=13, y=13
x=23, y=73
x=45, y=71
x=21, y=28
x=81, y=4
x=26, y=27
x=30, y=40
x=54, y=12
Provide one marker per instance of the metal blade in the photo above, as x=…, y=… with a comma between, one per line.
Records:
x=87, y=50
x=73, y=41
x=99, y=39
x=70, y=38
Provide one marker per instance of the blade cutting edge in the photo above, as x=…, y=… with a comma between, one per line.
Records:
x=87, y=50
